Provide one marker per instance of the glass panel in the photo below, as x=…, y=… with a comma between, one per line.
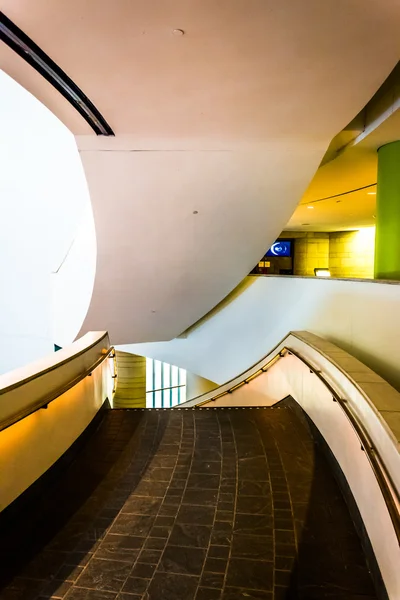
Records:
x=158, y=399
x=174, y=375
x=174, y=396
x=149, y=400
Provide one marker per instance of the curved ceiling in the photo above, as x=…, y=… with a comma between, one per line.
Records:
x=342, y=194
x=218, y=132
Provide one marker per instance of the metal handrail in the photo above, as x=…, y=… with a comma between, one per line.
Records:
x=44, y=402
x=387, y=487
x=378, y=467
x=171, y=387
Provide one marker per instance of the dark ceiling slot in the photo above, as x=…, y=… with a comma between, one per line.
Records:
x=18, y=41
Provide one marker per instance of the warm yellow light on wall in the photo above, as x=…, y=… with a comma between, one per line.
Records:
x=364, y=240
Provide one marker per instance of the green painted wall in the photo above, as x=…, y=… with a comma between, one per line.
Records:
x=387, y=240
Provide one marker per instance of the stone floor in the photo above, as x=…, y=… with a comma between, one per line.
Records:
x=231, y=504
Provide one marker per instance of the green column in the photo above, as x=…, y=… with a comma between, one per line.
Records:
x=387, y=237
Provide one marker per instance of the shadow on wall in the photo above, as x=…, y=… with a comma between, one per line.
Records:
x=67, y=508
x=332, y=541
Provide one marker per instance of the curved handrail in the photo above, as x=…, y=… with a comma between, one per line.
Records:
x=44, y=400
x=378, y=467
x=387, y=487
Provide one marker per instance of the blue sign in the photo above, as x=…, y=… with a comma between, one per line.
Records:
x=280, y=248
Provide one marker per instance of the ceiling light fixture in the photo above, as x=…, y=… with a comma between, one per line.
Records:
x=371, y=193
x=178, y=32
x=310, y=207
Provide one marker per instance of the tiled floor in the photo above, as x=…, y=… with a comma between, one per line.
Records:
x=231, y=504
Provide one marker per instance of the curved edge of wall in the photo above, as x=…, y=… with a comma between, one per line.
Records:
x=31, y=446
x=371, y=401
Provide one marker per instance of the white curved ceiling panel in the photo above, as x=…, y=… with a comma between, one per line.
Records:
x=231, y=120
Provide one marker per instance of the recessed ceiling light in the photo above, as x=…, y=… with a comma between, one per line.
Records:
x=310, y=207
x=178, y=32
x=195, y=212
x=371, y=193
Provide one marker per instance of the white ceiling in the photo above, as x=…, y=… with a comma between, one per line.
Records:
x=329, y=203
x=230, y=120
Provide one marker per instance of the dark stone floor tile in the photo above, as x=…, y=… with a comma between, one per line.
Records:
x=142, y=505
x=204, y=593
x=107, y=575
x=136, y=525
x=154, y=543
x=254, y=505
x=221, y=538
x=206, y=467
x=200, y=497
x=123, y=596
x=253, y=524
x=150, y=488
x=199, y=515
x=169, y=586
x=77, y=593
x=223, y=516
x=69, y=573
x=254, y=488
x=234, y=593
x=283, y=578
x=253, y=546
x=119, y=547
x=150, y=556
x=252, y=574
x=168, y=510
x=135, y=585
x=78, y=558
x=188, y=561
x=186, y=534
x=218, y=551
x=57, y=589
x=215, y=565
x=159, y=474
x=144, y=570
x=284, y=537
x=212, y=580
x=160, y=532
x=203, y=481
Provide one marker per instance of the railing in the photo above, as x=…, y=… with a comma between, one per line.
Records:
x=387, y=487
x=37, y=386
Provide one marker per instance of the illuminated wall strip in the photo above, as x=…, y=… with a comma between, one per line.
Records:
x=26, y=48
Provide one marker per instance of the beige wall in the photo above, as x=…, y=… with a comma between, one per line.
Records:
x=311, y=250
x=351, y=253
x=196, y=385
x=345, y=253
x=131, y=381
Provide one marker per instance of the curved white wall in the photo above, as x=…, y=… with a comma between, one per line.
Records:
x=218, y=132
x=359, y=316
x=43, y=197
x=32, y=445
